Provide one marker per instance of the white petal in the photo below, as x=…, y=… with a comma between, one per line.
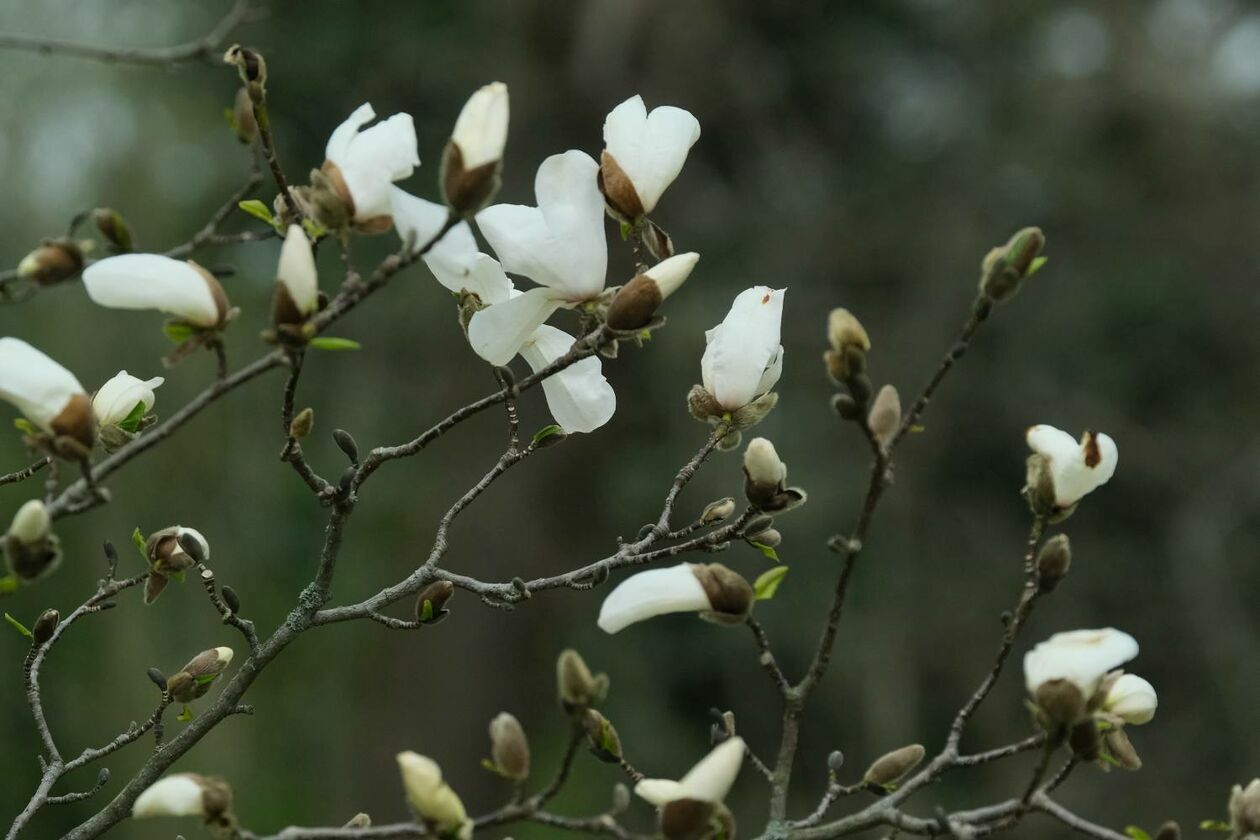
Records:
x=652, y=593
x=650, y=148
x=151, y=281
x=762, y=462
x=743, y=346
x=658, y=792
x=34, y=383
x=418, y=221
x=179, y=795
x=389, y=145
x=116, y=399
x=1075, y=473
x=297, y=270
x=579, y=397
x=1082, y=657
x=369, y=188
x=486, y=279
x=711, y=779
x=338, y=147
x=1133, y=699
x=482, y=127
x=31, y=523
x=672, y=272
x=773, y=371
x=498, y=331
x=560, y=243
x=1051, y=442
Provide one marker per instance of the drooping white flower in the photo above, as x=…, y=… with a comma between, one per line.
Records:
x=743, y=358
x=117, y=399
x=762, y=463
x=31, y=523
x=151, y=281
x=366, y=162
x=1077, y=468
x=1132, y=699
x=482, y=127
x=711, y=590
x=643, y=154
x=709, y=781
x=1079, y=657
x=297, y=293
x=558, y=244
x=45, y=392
x=431, y=797
x=177, y=795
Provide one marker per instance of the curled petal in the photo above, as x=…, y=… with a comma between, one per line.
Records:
x=116, y=399
x=652, y=593
x=579, y=397
x=482, y=127
x=498, y=332
x=151, y=281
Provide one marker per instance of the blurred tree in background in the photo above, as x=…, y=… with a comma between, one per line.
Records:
x=861, y=154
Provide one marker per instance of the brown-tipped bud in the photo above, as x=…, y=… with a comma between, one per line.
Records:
x=52, y=262
x=577, y=686
x=619, y=192
x=243, y=121
x=845, y=406
x=731, y=597
x=885, y=416
x=473, y=157
x=890, y=767
x=1005, y=267
x=1053, y=561
x=189, y=795
x=845, y=331
x=602, y=737
x=44, y=626
x=1121, y=749
x=252, y=67
x=302, y=424
x=687, y=819
x=1061, y=702
x=718, y=511
x=509, y=748
x=431, y=602
x=1244, y=808
x=1169, y=831
x=194, y=679
x=1084, y=740
x=114, y=228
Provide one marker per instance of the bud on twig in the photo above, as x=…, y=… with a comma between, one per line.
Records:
x=602, y=737
x=1005, y=267
x=44, y=627
x=718, y=511
x=114, y=228
x=243, y=121
x=845, y=406
x=253, y=69
x=347, y=444
x=1121, y=749
x=885, y=416
x=230, y=598
x=431, y=602
x=636, y=302
x=302, y=423
x=187, y=795
x=890, y=767
x=577, y=687
x=157, y=678
x=1053, y=562
x=194, y=679
x=474, y=156
x=835, y=760
x=849, y=346
x=509, y=748
x=52, y=262
x=31, y=550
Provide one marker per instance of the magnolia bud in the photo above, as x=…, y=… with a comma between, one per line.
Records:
x=167, y=549
x=885, y=416
x=890, y=767
x=232, y=600
x=473, y=157
x=637, y=301
x=359, y=820
x=345, y=441
x=762, y=464
x=112, y=226
x=602, y=736
x=186, y=795
x=1061, y=701
x=44, y=626
x=702, y=405
x=1121, y=749
x=835, y=760
x=730, y=597
x=1005, y=267
x=718, y=511
x=52, y=262
x=194, y=679
x=846, y=407
x=770, y=538
x=687, y=819
x=509, y=748
x=31, y=523
x=577, y=687
x=31, y=550
x=1053, y=561
x=252, y=67
x=432, y=599
x=243, y=121
x=429, y=796
x=1244, y=808
x=1168, y=831
x=157, y=678
x=302, y=424
x=844, y=330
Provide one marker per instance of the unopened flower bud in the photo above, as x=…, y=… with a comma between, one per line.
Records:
x=44, y=626
x=431, y=602
x=1053, y=561
x=1132, y=699
x=731, y=597
x=346, y=443
x=1168, y=831
x=194, y=679
x=167, y=549
x=509, y=748
x=232, y=600
x=52, y=262
x=835, y=760
x=31, y=523
x=1121, y=749
x=718, y=511
x=430, y=797
x=114, y=228
x=1244, y=808
x=770, y=538
x=762, y=464
x=185, y=795
x=31, y=550
x=637, y=301
x=890, y=767
x=844, y=331
x=1005, y=267
x=296, y=297
x=602, y=737
x=302, y=423
x=252, y=67
x=885, y=416
x=157, y=678
x=243, y=121
x=359, y=820
x=846, y=407
x=577, y=686
x=687, y=819
x=474, y=155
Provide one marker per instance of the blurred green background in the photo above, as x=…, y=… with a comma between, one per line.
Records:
x=861, y=154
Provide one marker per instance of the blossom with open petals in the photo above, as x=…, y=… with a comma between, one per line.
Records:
x=1063, y=673
x=47, y=394
x=743, y=358
x=1076, y=468
x=643, y=154
x=713, y=591
x=362, y=163
x=152, y=281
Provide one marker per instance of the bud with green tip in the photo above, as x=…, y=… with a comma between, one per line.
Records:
x=602, y=737
x=890, y=767
x=114, y=228
x=1005, y=267
x=431, y=602
x=194, y=679
x=509, y=748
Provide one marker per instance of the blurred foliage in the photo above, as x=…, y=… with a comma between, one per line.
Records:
x=863, y=154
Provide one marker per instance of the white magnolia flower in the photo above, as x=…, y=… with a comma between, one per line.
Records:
x=1244, y=809
x=709, y=781
x=177, y=795
x=431, y=797
x=744, y=359
x=151, y=281
x=297, y=276
x=762, y=463
x=1080, y=657
x=579, y=397
x=1077, y=468
x=713, y=591
x=482, y=127
x=39, y=387
x=116, y=399
x=366, y=162
x=31, y=523
x=649, y=149
x=1132, y=699
x=559, y=244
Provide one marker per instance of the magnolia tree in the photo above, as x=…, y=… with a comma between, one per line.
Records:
x=1081, y=703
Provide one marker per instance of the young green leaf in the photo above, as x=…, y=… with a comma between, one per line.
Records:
x=766, y=550
x=1214, y=825
x=626, y=230
x=546, y=432
x=767, y=582
x=25, y=426
x=426, y=612
x=178, y=332
x=138, y=540
x=258, y=210
x=185, y=715
x=206, y=678
x=1136, y=833
x=17, y=625
x=328, y=342
x=132, y=421
x=313, y=229
x=1035, y=266
x=8, y=585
